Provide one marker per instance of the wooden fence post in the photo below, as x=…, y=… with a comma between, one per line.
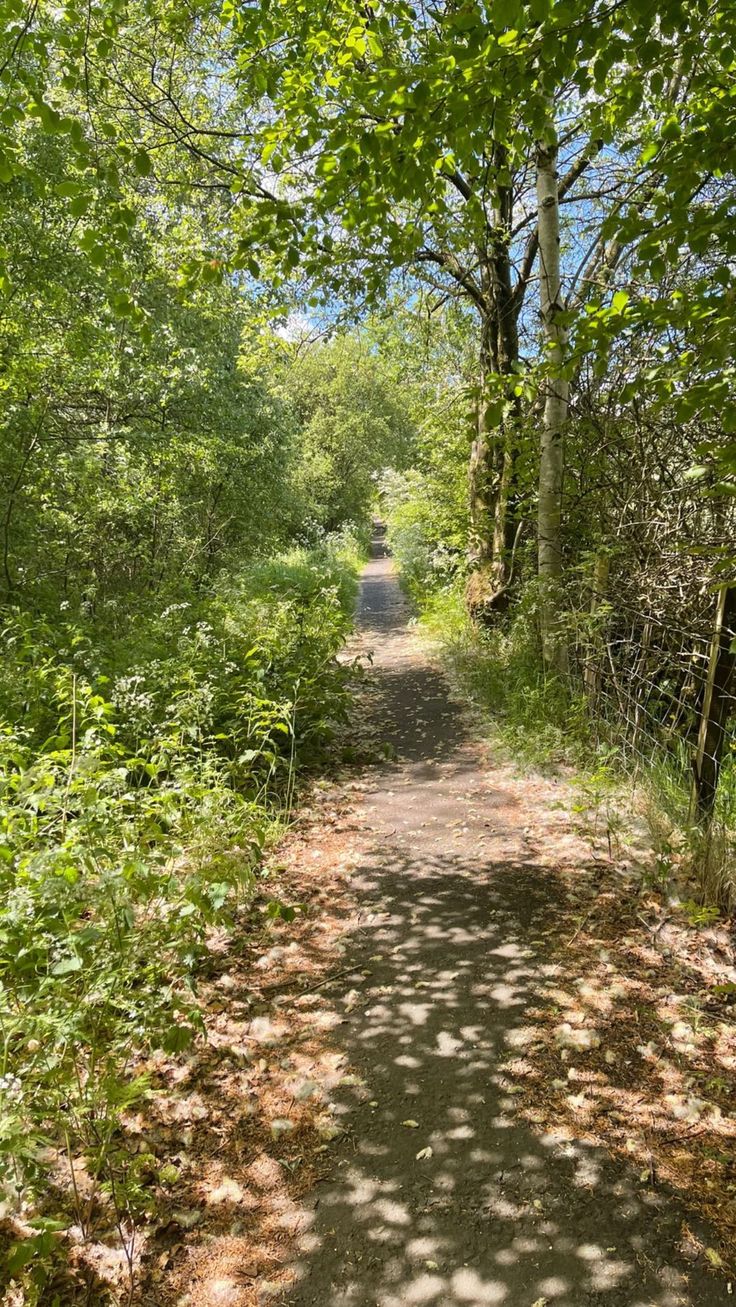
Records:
x=718, y=703
x=594, y=651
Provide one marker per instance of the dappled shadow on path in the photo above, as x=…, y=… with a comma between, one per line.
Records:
x=408, y=701
x=495, y=1212
x=381, y=604
x=445, y=1193
x=417, y=719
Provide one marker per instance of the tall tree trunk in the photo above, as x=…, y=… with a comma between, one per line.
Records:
x=492, y=485
x=554, y=422
x=482, y=455
x=493, y=497
x=507, y=507
x=718, y=703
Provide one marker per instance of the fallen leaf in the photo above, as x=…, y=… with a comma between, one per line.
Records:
x=423, y=1153
x=329, y=1130
x=412, y=1125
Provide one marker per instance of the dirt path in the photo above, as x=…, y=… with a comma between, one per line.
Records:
x=442, y=1192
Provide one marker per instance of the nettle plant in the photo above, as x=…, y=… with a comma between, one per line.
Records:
x=133, y=814
x=101, y=929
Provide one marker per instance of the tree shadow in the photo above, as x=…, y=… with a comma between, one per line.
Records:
x=443, y=1193
x=448, y=1187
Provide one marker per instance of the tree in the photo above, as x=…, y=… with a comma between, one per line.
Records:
x=556, y=397
x=358, y=146
x=352, y=417
x=161, y=444
x=407, y=143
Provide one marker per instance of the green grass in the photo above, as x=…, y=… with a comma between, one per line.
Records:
x=534, y=716
x=540, y=722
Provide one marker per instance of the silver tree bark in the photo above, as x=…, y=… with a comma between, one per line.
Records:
x=556, y=401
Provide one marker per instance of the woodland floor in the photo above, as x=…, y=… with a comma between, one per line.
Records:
x=481, y=1067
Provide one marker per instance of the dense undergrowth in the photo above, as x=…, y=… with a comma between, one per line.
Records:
x=141, y=776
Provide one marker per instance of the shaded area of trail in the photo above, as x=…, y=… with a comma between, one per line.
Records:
x=441, y=1193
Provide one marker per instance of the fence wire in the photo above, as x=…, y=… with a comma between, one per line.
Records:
x=664, y=690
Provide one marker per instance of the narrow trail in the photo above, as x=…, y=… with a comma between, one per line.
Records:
x=455, y=864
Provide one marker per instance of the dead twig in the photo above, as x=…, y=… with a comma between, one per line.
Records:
x=312, y=989
x=583, y=922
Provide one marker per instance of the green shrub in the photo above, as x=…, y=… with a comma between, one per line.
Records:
x=139, y=782
x=425, y=529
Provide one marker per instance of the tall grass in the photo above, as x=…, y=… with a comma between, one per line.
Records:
x=534, y=717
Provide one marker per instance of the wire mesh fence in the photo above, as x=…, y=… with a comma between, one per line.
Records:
x=650, y=554
x=665, y=692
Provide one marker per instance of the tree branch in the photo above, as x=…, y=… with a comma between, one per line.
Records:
x=459, y=182
x=461, y=275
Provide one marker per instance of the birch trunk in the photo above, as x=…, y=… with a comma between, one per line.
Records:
x=554, y=421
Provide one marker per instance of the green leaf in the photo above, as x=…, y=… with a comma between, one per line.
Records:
x=504, y=13
x=79, y=205
x=178, y=1038
x=19, y=1255
x=142, y=163
x=67, y=965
